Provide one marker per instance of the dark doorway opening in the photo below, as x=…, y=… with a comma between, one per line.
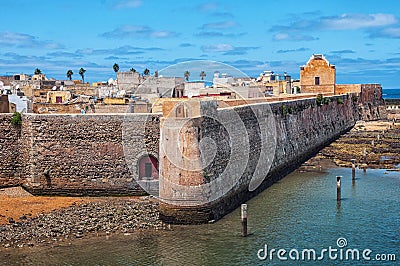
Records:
x=148, y=167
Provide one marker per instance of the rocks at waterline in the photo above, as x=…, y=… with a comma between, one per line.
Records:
x=95, y=218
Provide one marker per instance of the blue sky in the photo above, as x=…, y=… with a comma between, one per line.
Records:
x=362, y=38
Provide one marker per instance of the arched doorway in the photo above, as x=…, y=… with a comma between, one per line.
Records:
x=181, y=111
x=148, y=167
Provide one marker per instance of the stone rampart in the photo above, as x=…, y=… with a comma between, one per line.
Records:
x=301, y=128
x=77, y=154
x=10, y=165
x=370, y=103
x=98, y=154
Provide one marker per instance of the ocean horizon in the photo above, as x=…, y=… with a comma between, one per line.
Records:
x=391, y=93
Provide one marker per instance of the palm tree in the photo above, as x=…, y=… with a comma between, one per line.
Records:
x=146, y=72
x=116, y=67
x=69, y=74
x=202, y=75
x=82, y=73
x=132, y=70
x=186, y=74
x=38, y=71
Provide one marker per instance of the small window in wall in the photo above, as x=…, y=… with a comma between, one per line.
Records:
x=180, y=111
x=316, y=81
x=148, y=167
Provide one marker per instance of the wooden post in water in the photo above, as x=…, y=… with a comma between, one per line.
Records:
x=338, y=191
x=365, y=155
x=353, y=169
x=244, y=219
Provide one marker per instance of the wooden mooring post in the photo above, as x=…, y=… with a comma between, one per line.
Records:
x=338, y=189
x=365, y=155
x=353, y=169
x=244, y=219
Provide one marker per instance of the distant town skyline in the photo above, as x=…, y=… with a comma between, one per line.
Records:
x=360, y=37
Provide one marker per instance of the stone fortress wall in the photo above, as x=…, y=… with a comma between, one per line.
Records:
x=84, y=154
x=300, y=133
x=10, y=163
x=75, y=154
x=302, y=128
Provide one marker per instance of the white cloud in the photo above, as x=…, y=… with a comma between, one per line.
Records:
x=358, y=21
x=223, y=47
x=342, y=52
x=220, y=25
x=302, y=49
x=22, y=40
x=212, y=34
x=127, y=31
x=227, y=49
x=12, y=38
x=206, y=7
x=293, y=37
x=215, y=10
x=391, y=32
x=161, y=34
x=122, y=50
x=128, y=4
x=281, y=37
x=377, y=25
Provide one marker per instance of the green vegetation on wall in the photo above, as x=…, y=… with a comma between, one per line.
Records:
x=319, y=99
x=284, y=110
x=16, y=119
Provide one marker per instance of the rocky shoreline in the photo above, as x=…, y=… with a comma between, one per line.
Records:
x=374, y=144
x=107, y=216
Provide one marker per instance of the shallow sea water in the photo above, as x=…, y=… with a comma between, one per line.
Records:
x=299, y=212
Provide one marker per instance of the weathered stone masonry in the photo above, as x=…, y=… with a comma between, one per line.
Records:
x=10, y=165
x=300, y=132
x=75, y=154
x=84, y=154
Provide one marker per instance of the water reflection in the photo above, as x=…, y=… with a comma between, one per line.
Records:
x=339, y=206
